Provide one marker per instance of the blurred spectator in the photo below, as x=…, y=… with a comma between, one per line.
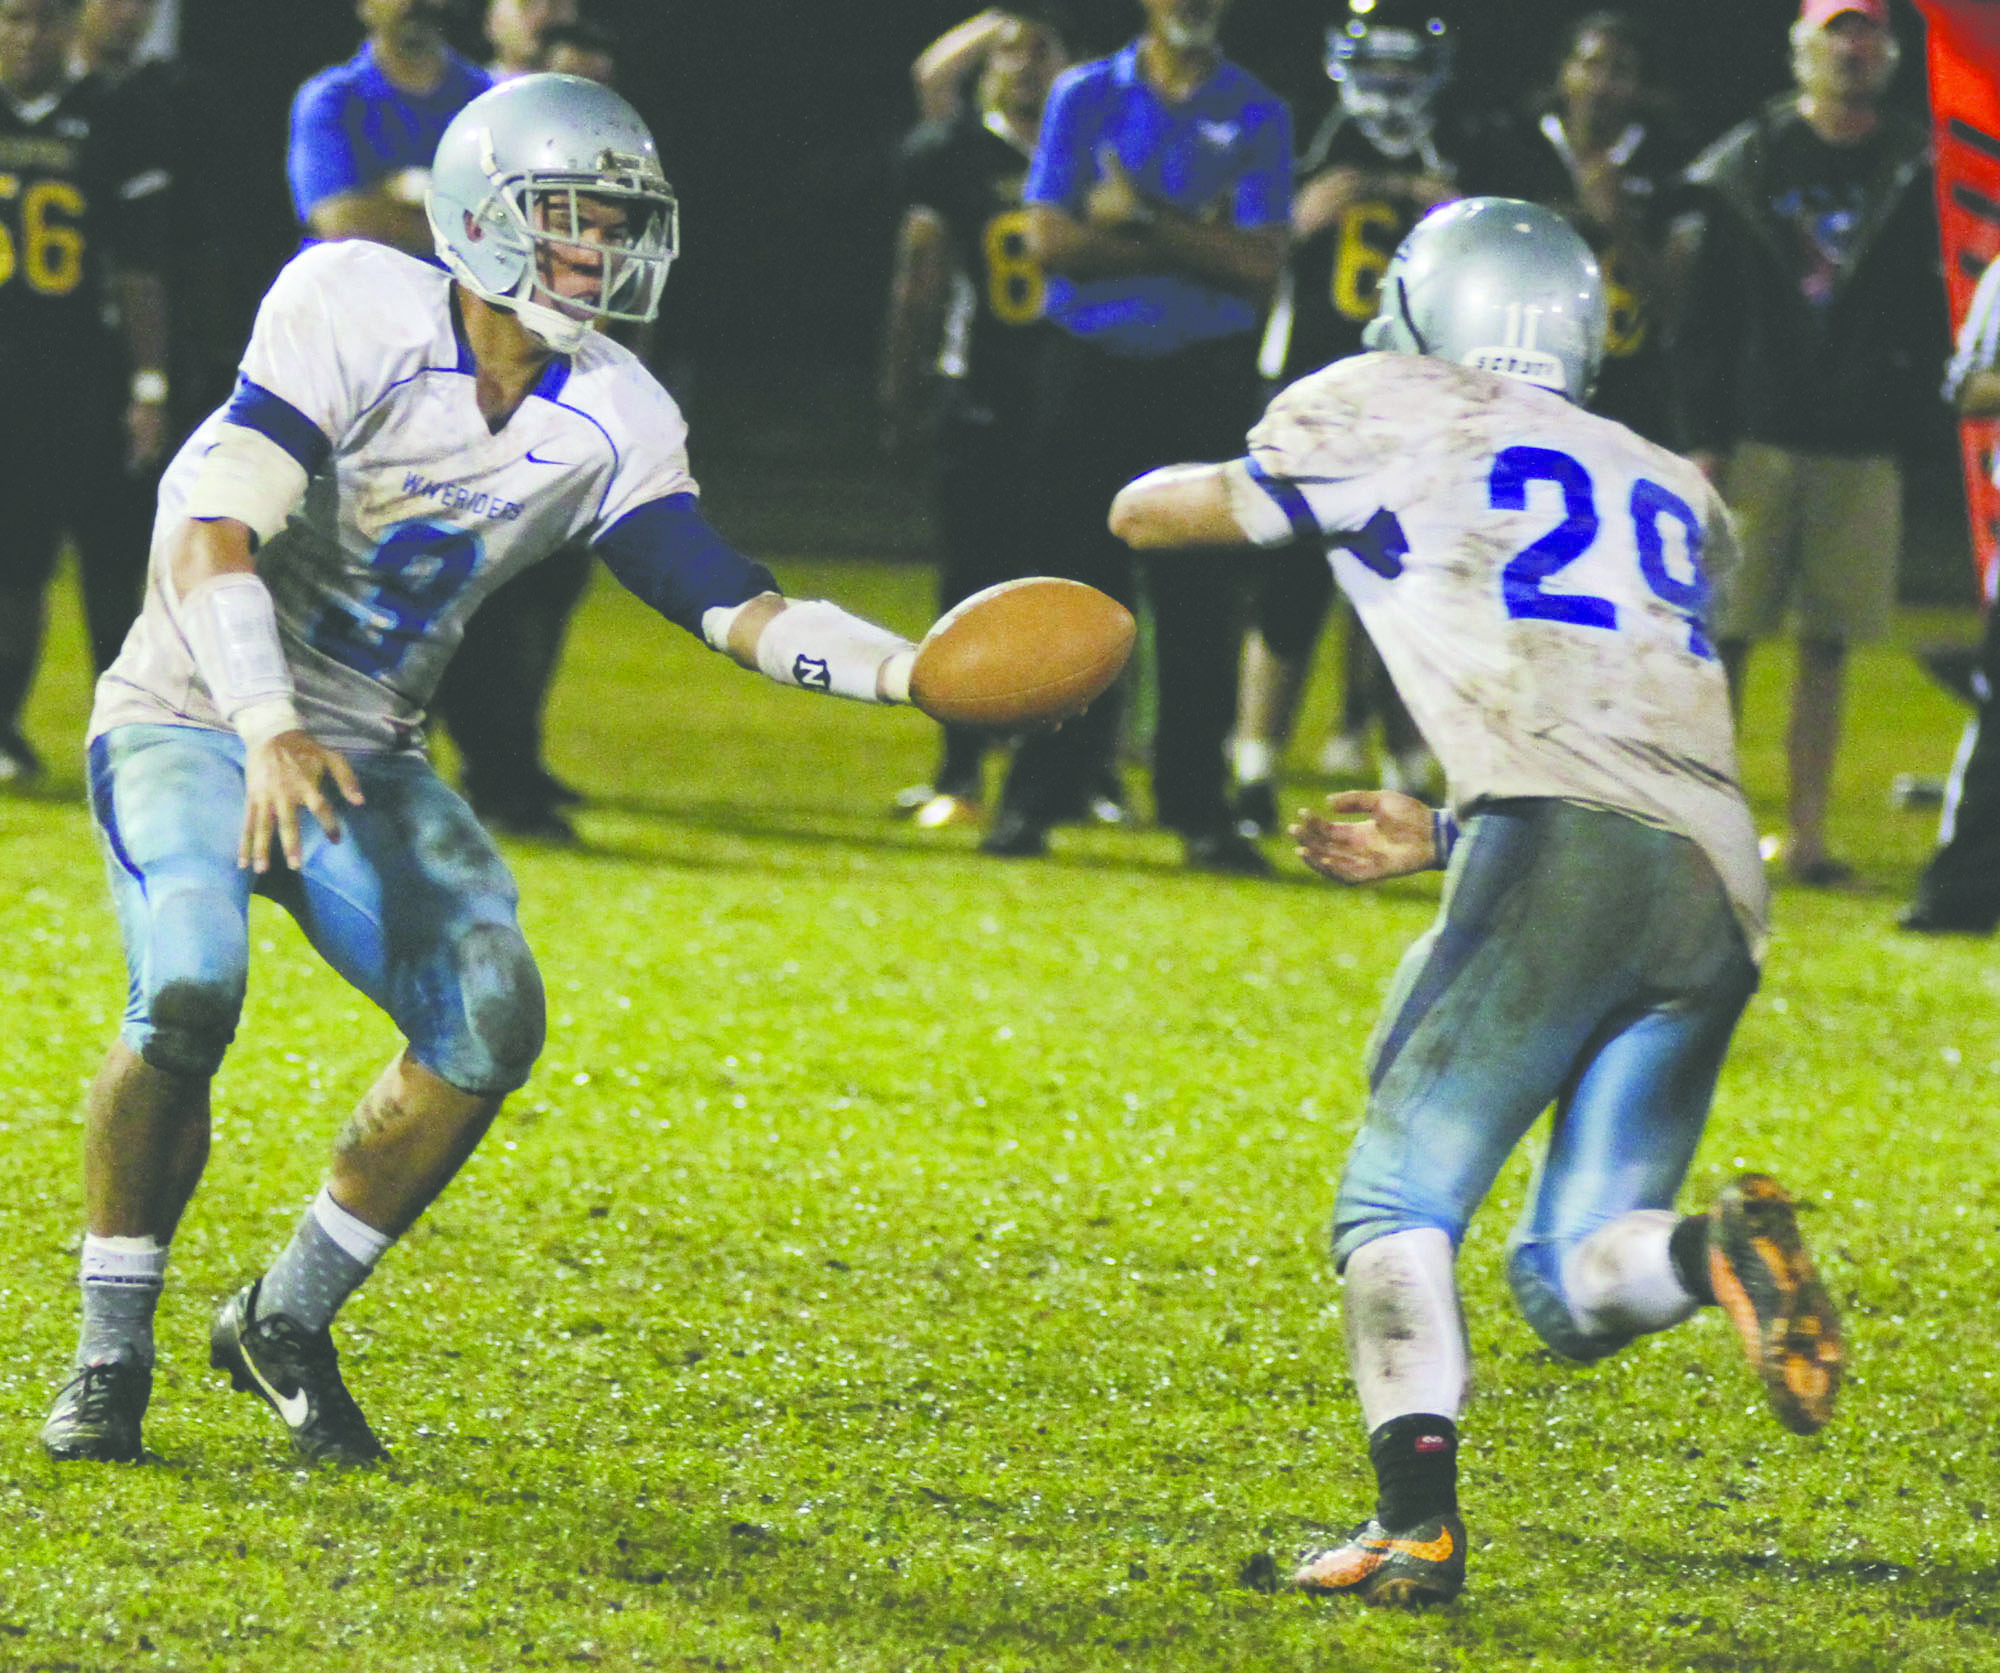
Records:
x=1601, y=151
x=82, y=404
x=967, y=300
x=518, y=31
x=1157, y=205
x=1959, y=892
x=364, y=132
x=495, y=691
x=582, y=48
x=1813, y=316
x=947, y=73
x=1380, y=159
x=185, y=123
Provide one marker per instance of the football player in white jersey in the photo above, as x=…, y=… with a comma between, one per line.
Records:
x=403, y=439
x=1537, y=580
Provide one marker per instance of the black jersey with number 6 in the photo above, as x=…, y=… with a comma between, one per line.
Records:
x=971, y=177
x=77, y=192
x=1337, y=269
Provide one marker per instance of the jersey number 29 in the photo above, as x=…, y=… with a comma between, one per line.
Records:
x=1650, y=507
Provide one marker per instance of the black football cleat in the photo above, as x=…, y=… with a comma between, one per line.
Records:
x=1014, y=836
x=1765, y=1281
x=1403, y=1569
x=1256, y=808
x=1940, y=912
x=296, y=1372
x=1225, y=852
x=96, y=1417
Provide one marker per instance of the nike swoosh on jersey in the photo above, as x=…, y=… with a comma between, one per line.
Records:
x=294, y=1408
x=533, y=460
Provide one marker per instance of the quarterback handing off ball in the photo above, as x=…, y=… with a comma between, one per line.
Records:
x=1033, y=652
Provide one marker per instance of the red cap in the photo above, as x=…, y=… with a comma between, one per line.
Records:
x=1817, y=14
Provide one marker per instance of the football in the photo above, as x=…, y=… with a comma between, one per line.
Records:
x=1025, y=653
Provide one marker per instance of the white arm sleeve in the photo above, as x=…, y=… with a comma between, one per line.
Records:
x=248, y=477
x=232, y=630
x=819, y=646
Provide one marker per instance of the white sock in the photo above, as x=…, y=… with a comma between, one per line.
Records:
x=1405, y=1334
x=121, y=1279
x=1256, y=760
x=1620, y=1280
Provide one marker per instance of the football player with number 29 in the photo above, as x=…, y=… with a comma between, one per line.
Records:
x=402, y=440
x=1536, y=578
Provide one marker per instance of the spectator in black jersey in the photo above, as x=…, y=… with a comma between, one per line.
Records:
x=1603, y=149
x=965, y=312
x=213, y=266
x=1386, y=152
x=82, y=405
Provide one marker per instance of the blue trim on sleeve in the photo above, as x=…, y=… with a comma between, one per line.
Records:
x=256, y=408
x=1288, y=499
x=666, y=554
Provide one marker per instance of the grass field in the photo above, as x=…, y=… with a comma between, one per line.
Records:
x=903, y=1260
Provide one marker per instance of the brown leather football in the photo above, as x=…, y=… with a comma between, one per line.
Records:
x=1025, y=653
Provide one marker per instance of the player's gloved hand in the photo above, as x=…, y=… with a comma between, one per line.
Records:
x=280, y=775
x=1391, y=837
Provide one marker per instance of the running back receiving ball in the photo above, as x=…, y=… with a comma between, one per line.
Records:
x=1537, y=579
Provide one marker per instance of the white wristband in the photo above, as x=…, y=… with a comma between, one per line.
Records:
x=819, y=646
x=232, y=629
x=263, y=721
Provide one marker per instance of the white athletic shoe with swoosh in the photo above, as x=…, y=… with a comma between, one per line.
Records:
x=296, y=1372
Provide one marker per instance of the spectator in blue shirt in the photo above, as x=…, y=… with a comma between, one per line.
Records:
x=364, y=132
x=1157, y=204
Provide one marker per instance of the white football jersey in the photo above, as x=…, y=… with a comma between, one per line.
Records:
x=1536, y=579
x=414, y=511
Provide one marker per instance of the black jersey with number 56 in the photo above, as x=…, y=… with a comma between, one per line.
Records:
x=77, y=192
x=971, y=177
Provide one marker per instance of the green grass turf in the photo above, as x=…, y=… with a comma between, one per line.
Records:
x=901, y=1260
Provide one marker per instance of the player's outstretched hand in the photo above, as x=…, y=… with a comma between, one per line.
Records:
x=280, y=776
x=1381, y=833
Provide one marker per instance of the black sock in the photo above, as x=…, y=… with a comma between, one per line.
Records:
x=1416, y=1469
x=1687, y=1248
x=15, y=679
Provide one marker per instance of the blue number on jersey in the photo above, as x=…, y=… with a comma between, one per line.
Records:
x=420, y=569
x=1651, y=502
x=1521, y=581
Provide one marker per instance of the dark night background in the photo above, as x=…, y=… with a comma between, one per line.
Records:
x=778, y=121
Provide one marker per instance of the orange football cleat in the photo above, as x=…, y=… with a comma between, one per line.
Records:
x=1405, y=1569
x=1765, y=1281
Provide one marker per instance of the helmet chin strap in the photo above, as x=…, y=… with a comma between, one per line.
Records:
x=554, y=327
x=551, y=325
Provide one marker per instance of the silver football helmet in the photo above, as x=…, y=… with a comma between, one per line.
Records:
x=1388, y=69
x=519, y=189
x=1501, y=284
